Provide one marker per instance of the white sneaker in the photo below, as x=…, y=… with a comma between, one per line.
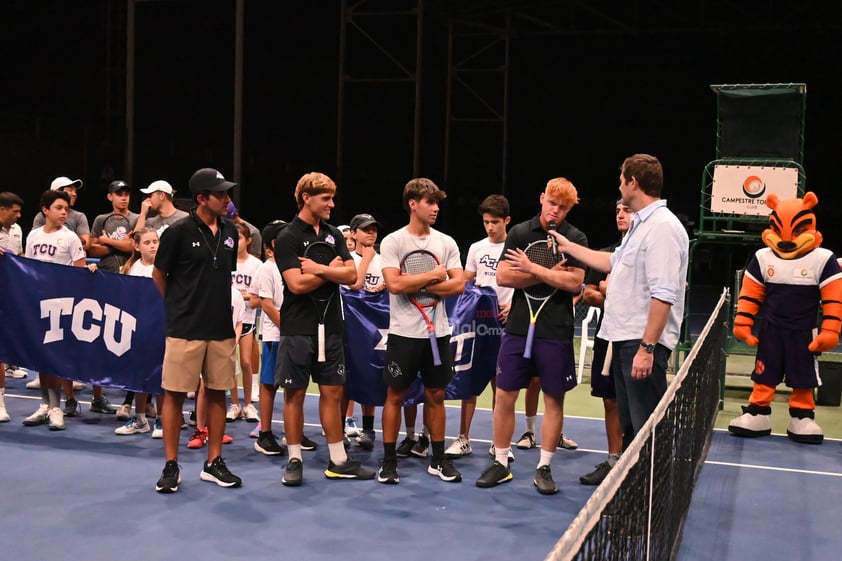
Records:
x=234, y=412
x=158, y=431
x=124, y=413
x=351, y=428
x=133, y=427
x=15, y=372
x=39, y=417
x=4, y=415
x=461, y=446
x=55, y=418
x=250, y=413
x=35, y=384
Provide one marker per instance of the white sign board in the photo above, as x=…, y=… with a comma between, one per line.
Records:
x=743, y=189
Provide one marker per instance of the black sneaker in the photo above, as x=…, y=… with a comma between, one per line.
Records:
x=388, y=472
x=102, y=405
x=217, y=472
x=170, y=478
x=596, y=476
x=544, y=481
x=496, y=474
x=366, y=440
x=71, y=407
x=404, y=449
x=267, y=444
x=351, y=469
x=444, y=470
x=421, y=447
x=307, y=445
x=293, y=473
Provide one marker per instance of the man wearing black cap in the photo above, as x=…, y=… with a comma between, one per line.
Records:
x=193, y=272
x=110, y=239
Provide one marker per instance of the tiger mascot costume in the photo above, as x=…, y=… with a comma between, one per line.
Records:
x=788, y=279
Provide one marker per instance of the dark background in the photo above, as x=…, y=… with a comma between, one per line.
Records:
x=589, y=84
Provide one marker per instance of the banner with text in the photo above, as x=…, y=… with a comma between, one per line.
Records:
x=743, y=189
x=96, y=327
x=475, y=339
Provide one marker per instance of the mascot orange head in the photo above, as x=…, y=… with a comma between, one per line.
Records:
x=792, y=226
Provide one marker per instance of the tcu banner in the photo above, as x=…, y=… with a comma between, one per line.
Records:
x=475, y=339
x=98, y=327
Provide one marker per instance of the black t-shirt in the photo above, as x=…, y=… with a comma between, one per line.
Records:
x=556, y=319
x=298, y=312
x=198, y=267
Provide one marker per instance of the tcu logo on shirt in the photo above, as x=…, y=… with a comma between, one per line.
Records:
x=372, y=280
x=44, y=249
x=88, y=322
x=488, y=261
x=239, y=279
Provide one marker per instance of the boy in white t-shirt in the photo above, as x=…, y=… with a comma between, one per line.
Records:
x=53, y=243
x=364, y=229
x=481, y=267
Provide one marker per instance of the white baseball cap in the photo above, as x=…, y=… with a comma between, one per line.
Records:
x=60, y=183
x=159, y=185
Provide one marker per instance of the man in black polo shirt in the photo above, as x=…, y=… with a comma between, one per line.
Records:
x=297, y=354
x=552, y=352
x=193, y=272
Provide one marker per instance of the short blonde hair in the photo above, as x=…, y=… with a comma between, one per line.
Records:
x=563, y=190
x=313, y=183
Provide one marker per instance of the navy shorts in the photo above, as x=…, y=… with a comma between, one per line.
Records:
x=552, y=361
x=601, y=385
x=782, y=354
x=406, y=357
x=296, y=361
x=268, y=359
x=247, y=328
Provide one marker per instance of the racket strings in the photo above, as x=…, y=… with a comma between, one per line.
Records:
x=540, y=254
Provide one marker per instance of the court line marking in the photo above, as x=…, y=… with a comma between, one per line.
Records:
x=770, y=468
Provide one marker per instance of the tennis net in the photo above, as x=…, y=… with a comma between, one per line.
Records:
x=638, y=511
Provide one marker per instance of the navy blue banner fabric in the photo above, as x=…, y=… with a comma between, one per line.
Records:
x=474, y=343
x=96, y=327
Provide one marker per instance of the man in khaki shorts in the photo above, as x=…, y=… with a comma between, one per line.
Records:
x=193, y=272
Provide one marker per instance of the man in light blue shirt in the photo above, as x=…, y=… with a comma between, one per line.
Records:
x=644, y=302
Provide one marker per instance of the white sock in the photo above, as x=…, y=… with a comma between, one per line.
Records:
x=612, y=459
x=502, y=455
x=337, y=453
x=546, y=458
x=294, y=451
x=530, y=423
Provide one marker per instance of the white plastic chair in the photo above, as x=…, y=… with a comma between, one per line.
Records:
x=586, y=342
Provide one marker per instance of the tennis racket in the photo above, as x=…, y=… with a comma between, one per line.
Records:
x=416, y=262
x=116, y=227
x=538, y=295
x=322, y=253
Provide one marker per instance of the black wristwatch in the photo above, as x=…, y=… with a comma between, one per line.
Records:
x=648, y=347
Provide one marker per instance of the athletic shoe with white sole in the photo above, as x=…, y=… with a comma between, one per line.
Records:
x=124, y=412
x=526, y=441
x=170, y=478
x=567, y=443
x=250, y=413
x=55, y=418
x=234, y=412
x=133, y=427
x=494, y=475
x=351, y=469
x=461, y=446
x=39, y=417
x=444, y=470
x=217, y=472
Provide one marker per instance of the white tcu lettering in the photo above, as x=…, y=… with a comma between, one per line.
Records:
x=86, y=323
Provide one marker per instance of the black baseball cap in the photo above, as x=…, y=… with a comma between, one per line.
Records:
x=363, y=221
x=208, y=180
x=118, y=185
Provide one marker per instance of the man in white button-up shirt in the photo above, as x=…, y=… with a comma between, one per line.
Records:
x=644, y=302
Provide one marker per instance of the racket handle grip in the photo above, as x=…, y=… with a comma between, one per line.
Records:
x=530, y=336
x=434, y=346
x=321, y=343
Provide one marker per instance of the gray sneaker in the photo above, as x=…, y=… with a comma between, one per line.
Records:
x=544, y=481
x=102, y=405
x=366, y=440
x=293, y=473
x=71, y=407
